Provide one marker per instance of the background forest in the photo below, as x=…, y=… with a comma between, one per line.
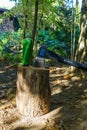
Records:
x=56, y=24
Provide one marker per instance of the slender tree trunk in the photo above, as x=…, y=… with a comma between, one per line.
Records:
x=72, y=33
x=35, y=21
x=77, y=12
x=74, y=39
x=71, y=42
x=25, y=9
x=82, y=43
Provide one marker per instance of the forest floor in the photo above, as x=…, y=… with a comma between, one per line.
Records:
x=68, y=100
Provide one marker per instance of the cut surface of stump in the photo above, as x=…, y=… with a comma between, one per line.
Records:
x=33, y=91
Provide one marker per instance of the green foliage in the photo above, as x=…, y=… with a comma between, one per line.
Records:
x=11, y=37
x=15, y=59
x=12, y=41
x=54, y=25
x=46, y=38
x=56, y=18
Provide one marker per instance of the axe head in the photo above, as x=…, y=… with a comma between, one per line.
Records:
x=40, y=60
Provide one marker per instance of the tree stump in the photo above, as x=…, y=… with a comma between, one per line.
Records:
x=33, y=91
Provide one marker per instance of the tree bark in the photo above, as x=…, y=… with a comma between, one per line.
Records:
x=33, y=91
x=35, y=20
x=25, y=9
x=82, y=43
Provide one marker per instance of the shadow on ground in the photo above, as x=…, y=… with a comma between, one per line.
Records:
x=70, y=95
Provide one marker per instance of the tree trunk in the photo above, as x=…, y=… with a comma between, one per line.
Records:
x=35, y=21
x=33, y=91
x=82, y=43
x=72, y=32
x=25, y=9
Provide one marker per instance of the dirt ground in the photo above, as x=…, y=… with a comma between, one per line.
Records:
x=68, y=99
